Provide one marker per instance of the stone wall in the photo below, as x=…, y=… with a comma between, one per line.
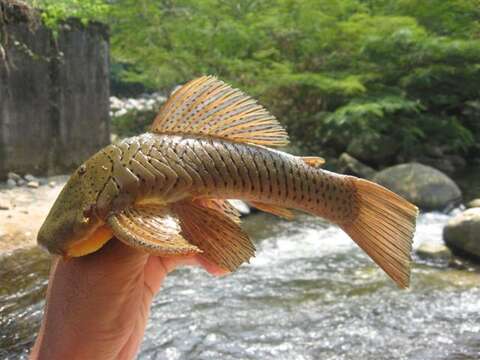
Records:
x=54, y=93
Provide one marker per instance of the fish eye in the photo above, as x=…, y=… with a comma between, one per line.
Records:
x=82, y=169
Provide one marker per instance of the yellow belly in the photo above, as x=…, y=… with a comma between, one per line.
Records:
x=92, y=243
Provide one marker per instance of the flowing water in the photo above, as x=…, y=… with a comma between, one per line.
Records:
x=309, y=294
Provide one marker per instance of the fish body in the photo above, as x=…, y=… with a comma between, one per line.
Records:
x=164, y=169
x=165, y=191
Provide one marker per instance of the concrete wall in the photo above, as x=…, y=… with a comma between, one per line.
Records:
x=54, y=108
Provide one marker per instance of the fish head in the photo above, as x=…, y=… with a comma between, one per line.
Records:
x=73, y=218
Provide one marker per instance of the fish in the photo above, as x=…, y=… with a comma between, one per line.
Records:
x=165, y=192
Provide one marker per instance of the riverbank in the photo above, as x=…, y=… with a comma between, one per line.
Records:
x=23, y=209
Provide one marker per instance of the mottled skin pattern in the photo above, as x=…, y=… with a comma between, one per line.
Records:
x=163, y=169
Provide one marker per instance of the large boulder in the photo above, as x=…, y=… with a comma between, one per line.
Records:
x=426, y=187
x=462, y=233
x=347, y=164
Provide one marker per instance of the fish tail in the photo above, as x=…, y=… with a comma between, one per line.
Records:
x=384, y=228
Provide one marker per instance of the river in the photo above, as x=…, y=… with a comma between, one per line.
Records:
x=310, y=293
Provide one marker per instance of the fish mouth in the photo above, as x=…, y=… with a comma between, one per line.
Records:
x=44, y=241
x=90, y=242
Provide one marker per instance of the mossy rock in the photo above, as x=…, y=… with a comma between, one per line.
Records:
x=462, y=233
x=373, y=150
x=426, y=187
x=349, y=165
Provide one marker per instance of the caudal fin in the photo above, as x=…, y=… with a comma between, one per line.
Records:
x=384, y=229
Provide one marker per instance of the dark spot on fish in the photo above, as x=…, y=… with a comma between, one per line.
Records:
x=82, y=169
x=88, y=211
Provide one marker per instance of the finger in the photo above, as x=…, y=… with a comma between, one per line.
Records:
x=170, y=263
x=157, y=268
x=210, y=267
x=173, y=262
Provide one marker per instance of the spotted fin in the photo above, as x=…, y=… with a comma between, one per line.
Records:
x=274, y=209
x=151, y=229
x=207, y=106
x=220, y=238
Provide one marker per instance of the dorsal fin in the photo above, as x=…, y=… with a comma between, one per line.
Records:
x=208, y=106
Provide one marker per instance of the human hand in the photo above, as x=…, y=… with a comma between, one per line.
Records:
x=98, y=305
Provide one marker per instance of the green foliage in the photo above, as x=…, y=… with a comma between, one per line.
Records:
x=331, y=70
x=54, y=11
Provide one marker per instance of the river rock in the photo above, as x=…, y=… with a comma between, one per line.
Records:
x=33, y=184
x=21, y=182
x=462, y=232
x=426, y=187
x=457, y=161
x=13, y=176
x=434, y=252
x=347, y=164
x=4, y=206
x=475, y=203
x=240, y=206
x=373, y=150
x=11, y=183
x=434, y=151
x=30, y=177
x=115, y=103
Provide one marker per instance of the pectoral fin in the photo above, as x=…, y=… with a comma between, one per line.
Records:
x=152, y=229
x=215, y=232
x=274, y=209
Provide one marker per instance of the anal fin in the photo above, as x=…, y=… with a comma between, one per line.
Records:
x=274, y=209
x=151, y=229
x=217, y=234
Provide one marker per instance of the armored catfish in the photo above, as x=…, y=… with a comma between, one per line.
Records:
x=165, y=192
